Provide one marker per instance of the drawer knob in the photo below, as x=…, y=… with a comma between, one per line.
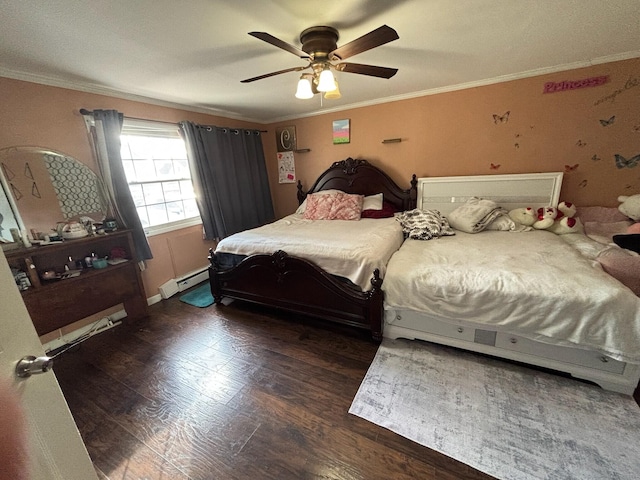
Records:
x=398, y=317
x=460, y=329
x=604, y=359
x=513, y=340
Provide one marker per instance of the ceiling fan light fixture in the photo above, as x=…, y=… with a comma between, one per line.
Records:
x=334, y=94
x=303, y=91
x=326, y=82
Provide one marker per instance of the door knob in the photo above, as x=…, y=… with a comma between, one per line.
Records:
x=31, y=365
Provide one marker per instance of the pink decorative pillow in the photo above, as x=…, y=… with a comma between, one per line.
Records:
x=387, y=211
x=338, y=206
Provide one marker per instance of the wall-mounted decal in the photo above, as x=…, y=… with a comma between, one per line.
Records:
x=27, y=171
x=630, y=83
x=580, y=143
x=622, y=162
x=494, y=166
x=582, y=184
x=341, y=131
x=571, y=168
x=34, y=190
x=497, y=119
x=606, y=123
x=17, y=194
x=8, y=174
x=552, y=87
x=286, y=139
x=595, y=158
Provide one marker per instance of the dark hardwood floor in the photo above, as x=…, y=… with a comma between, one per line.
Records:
x=233, y=393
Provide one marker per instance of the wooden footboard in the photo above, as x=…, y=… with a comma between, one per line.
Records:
x=298, y=286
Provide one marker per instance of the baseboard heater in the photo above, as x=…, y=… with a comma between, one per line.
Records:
x=183, y=283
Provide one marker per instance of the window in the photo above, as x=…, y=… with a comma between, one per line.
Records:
x=155, y=163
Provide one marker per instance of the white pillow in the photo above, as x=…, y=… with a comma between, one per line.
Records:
x=373, y=202
x=303, y=205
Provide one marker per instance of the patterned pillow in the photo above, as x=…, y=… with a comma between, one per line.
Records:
x=424, y=224
x=336, y=206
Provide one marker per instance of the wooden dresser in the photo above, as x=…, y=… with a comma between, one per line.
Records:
x=53, y=304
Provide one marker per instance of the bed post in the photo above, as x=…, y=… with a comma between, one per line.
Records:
x=213, y=278
x=375, y=298
x=301, y=195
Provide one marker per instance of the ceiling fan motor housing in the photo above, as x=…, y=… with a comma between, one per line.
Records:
x=318, y=42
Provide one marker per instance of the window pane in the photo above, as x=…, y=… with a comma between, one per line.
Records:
x=129, y=171
x=187, y=189
x=171, y=191
x=164, y=169
x=191, y=209
x=145, y=170
x=142, y=213
x=138, y=196
x=153, y=193
x=181, y=168
x=175, y=211
x=157, y=214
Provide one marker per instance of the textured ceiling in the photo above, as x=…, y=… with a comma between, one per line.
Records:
x=195, y=53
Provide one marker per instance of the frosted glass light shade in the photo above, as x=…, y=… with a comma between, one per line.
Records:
x=326, y=83
x=304, y=89
x=334, y=94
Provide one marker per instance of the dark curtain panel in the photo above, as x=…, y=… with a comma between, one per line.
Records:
x=108, y=126
x=229, y=178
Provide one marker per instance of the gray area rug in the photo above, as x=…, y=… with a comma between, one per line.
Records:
x=504, y=419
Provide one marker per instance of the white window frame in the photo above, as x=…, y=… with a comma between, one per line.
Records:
x=166, y=130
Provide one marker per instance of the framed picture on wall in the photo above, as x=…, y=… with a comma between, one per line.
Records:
x=286, y=139
x=341, y=131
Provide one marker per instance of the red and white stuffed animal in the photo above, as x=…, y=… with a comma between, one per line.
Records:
x=546, y=217
x=559, y=220
x=566, y=222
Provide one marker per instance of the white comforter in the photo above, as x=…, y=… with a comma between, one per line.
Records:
x=351, y=249
x=531, y=283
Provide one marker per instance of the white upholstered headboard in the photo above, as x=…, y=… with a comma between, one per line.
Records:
x=509, y=191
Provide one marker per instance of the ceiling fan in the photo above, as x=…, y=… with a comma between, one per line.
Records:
x=320, y=49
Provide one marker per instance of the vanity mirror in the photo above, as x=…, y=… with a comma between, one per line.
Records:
x=46, y=187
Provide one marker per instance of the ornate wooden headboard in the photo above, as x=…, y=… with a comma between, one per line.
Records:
x=360, y=177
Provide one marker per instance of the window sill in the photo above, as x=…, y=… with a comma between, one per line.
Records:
x=170, y=227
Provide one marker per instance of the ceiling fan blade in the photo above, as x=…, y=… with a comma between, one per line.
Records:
x=375, y=38
x=266, y=37
x=371, y=70
x=267, y=75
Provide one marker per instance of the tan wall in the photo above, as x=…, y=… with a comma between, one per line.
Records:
x=446, y=134
x=455, y=134
x=38, y=115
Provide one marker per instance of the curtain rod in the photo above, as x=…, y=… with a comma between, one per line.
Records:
x=84, y=111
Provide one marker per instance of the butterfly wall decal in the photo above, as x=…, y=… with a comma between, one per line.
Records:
x=580, y=143
x=606, y=123
x=583, y=184
x=596, y=158
x=571, y=168
x=622, y=162
x=494, y=166
x=497, y=119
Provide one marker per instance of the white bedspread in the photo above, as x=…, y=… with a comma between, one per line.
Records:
x=348, y=248
x=533, y=284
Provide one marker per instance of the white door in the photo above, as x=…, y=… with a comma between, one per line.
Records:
x=57, y=450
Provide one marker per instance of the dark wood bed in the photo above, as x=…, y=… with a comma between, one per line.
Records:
x=299, y=286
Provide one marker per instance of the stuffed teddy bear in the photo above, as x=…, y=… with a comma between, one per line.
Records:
x=526, y=216
x=565, y=220
x=630, y=206
x=560, y=220
x=546, y=217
